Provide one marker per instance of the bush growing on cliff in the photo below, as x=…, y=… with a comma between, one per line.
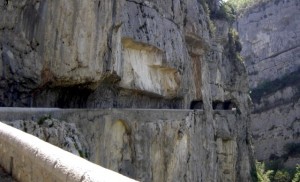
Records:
x=225, y=12
x=243, y=4
x=281, y=176
x=263, y=175
x=234, y=45
x=279, y=172
x=297, y=174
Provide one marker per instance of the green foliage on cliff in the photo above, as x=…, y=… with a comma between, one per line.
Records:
x=297, y=174
x=234, y=45
x=225, y=12
x=281, y=176
x=240, y=5
x=263, y=175
x=243, y=4
x=267, y=172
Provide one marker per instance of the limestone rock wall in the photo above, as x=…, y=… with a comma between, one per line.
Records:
x=281, y=127
x=51, y=43
x=270, y=38
x=133, y=54
x=270, y=35
x=59, y=133
x=149, y=145
x=113, y=54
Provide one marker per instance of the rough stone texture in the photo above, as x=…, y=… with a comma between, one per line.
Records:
x=29, y=159
x=154, y=145
x=281, y=125
x=59, y=133
x=108, y=54
x=270, y=35
x=51, y=43
x=133, y=54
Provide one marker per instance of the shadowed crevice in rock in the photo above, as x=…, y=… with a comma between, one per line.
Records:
x=226, y=105
x=197, y=104
x=5, y=177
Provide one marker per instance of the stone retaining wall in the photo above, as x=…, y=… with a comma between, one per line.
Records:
x=30, y=159
x=146, y=145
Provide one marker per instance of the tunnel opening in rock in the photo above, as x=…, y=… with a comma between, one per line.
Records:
x=226, y=105
x=217, y=105
x=196, y=104
x=229, y=105
x=75, y=97
x=63, y=97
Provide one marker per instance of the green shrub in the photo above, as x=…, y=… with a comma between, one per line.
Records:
x=225, y=12
x=297, y=174
x=244, y=4
x=263, y=175
x=281, y=176
x=234, y=46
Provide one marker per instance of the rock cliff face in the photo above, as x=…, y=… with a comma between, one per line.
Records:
x=270, y=37
x=105, y=54
x=147, y=145
x=270, y=34
x=134, y=54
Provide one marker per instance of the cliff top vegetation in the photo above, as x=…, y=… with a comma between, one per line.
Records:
x=242, y=5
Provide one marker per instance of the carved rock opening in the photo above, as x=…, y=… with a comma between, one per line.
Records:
x=62, y=97
x=226, y=105
x=197, y=104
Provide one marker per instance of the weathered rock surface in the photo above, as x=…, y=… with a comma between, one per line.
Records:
x=271, y=40
x=133, y=54
x=150, y=145
x=59, y=133
x=273, y=129
x=270, y=35
x=143, y=54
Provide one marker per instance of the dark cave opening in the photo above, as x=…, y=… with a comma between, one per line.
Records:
x=226, y=105
x=197, y=104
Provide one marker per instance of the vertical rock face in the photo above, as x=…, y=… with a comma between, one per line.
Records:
x=104, y=54
x=135, y=54
x=270, y=34
x=147, y=145
x=51, y=43
x=270, y=38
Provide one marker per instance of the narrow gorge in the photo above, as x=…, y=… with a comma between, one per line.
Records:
x=154, y=90
x=270, y=35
